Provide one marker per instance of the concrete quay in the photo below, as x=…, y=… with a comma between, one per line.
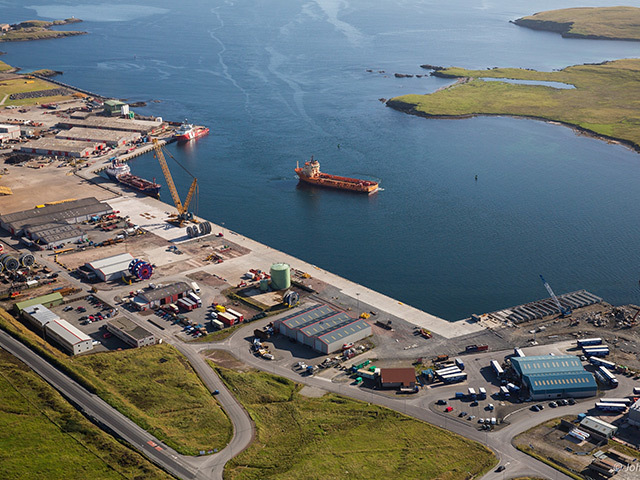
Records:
x=150, y=214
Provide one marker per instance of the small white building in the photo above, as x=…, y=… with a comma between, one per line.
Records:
x=39, y=316
x=68, y=337
x=634, y=414
x=111, y=268
x=8, y=132
x=599, y=426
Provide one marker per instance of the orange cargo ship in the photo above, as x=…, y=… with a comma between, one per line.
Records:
x=311, y=173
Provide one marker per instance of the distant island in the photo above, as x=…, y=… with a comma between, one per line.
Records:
x=603, y=23
x=36, y=30
x=603, y=103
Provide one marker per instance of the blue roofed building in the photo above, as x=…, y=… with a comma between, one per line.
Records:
x=548, y=377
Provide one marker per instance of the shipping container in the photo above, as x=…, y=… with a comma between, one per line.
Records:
x=238, y=315
x=624, y=401
x=611, y=407
x=217, y=324
x=227, y=319
x=497, y=368
x=608, y=377
x=195, y=298
x=600, y=361
x=454, y=378
x=600, y=352
x=589, y=341
x=447, y=371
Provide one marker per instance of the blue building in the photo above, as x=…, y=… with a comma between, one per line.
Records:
x=548, y=377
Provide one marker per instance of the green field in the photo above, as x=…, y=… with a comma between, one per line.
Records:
x=43, y=437
x=334, y=437
x=39, y=30
x=614, y=23
x=605, y=101
x=24, y=84
x=154, y=386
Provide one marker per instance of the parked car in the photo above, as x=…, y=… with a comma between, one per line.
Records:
x=81, y=309
x=448, y=409
x=571, y=401
x=474, y=403
x=535, y=408
x=501, y=468
x=67, y=308
x=540, y=406
x=553, y=404
x=462, y=414
x=471, y=417
x=107, y=335
x=441, y=402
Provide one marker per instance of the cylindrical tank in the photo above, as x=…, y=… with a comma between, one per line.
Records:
x=280, y=276
x=264, y=284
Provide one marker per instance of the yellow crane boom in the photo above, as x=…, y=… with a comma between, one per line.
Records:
x=183, y=212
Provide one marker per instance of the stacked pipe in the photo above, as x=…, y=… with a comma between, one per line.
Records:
x=9, y=262
x=203, y=228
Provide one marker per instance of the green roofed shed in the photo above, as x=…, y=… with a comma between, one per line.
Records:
x=50, y=300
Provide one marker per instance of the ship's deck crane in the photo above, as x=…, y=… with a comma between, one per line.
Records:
x=564, y=312
x=184, y=215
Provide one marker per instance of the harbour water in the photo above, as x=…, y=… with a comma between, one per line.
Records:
x=280, y=81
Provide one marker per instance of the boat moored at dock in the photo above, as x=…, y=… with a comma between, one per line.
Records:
x=187, y=132
x=310, y=173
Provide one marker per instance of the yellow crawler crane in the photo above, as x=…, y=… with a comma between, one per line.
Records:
x=183, y=215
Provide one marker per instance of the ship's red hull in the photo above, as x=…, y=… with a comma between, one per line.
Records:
x=341, y=183
x=196, y=132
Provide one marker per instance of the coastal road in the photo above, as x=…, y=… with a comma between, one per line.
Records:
x=103, y=414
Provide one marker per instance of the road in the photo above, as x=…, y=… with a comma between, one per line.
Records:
x=102, y=413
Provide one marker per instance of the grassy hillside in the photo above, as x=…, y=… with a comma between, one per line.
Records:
x=43, y=437
x=154, y=386
x=605, y=100
x=38, y=30
x=614, y=23
x=330, y=437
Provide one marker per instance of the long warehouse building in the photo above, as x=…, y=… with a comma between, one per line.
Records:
x=547, y=376
x=323, y=328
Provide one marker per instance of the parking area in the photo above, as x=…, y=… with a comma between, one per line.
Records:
x=90, y=314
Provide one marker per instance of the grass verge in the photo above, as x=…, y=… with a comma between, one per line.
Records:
x=44, y=437
x=335, y=437
x=612, y=23
x=548, y=461
x=605, y=100
x=154, y=386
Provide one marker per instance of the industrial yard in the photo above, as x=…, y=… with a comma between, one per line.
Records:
x=108, y=268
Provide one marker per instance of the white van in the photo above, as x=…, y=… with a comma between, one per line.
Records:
x=195, y=287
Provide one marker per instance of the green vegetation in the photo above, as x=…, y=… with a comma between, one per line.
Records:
x=605, y=101
x=154, y=386
x=218, y=335
x=38, y=30
x=548, y=461
x=5, y=67
x=25, y=84
x=43, y=437
x=335, y=437
x=614, y=23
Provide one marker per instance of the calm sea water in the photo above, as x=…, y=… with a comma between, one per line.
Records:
x=280, y=81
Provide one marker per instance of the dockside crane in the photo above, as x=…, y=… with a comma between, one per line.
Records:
x=184, y=215
x=564, y=312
